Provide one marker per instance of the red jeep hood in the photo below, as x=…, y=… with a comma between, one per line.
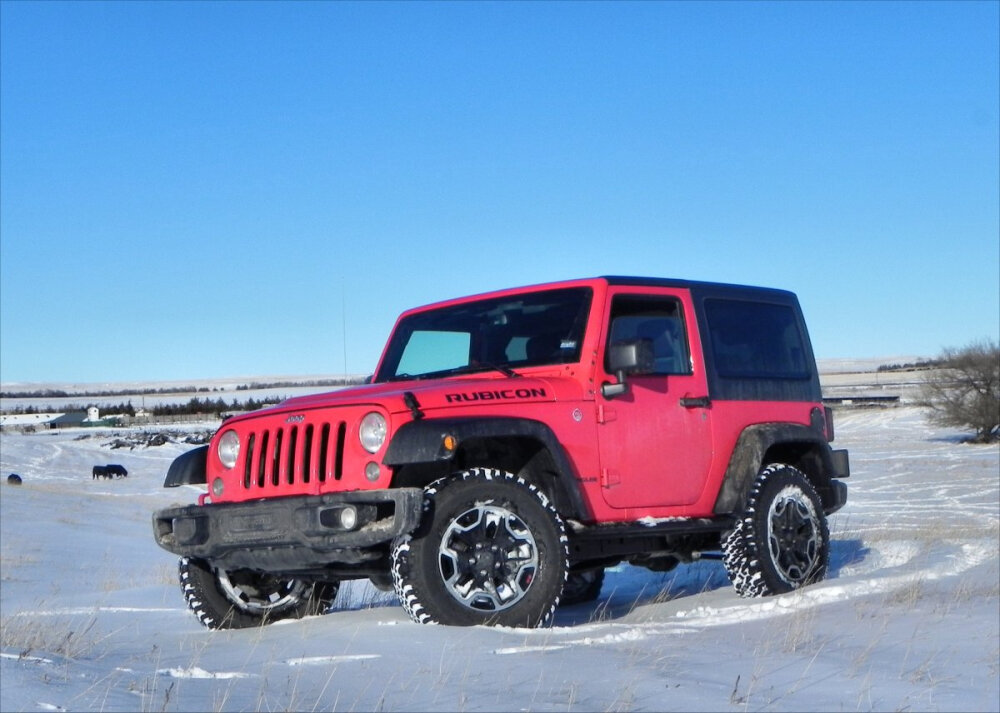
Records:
x=443, y=393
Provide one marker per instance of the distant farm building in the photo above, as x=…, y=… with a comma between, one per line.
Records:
x=69, y=420
x=25, y=421
x=32, y=421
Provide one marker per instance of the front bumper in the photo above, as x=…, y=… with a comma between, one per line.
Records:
x=291, y=533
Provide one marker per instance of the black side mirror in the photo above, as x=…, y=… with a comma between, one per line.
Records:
x=634, y=356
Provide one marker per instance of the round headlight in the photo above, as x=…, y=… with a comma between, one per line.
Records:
x=372, y=432
x=229, y=448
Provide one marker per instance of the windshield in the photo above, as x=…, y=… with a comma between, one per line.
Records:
x=500, y=333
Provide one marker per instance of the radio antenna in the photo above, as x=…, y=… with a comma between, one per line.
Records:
x=343, y=324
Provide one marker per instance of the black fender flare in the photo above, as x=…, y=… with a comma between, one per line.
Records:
x=422, y=441
x=188, y=468
x=748, y=458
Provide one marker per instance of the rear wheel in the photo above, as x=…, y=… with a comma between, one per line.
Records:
x=782, y=541
x=492, y=550
x=245, y=598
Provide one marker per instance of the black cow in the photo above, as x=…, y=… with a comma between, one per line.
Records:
x=14, y=479
x=100, y=471
x=116, y=470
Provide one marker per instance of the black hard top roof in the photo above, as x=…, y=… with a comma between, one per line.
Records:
x=700, y=286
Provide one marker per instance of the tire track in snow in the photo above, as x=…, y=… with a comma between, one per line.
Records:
x=198, y=672
x=81, y=611
x=832, y=591
x=322, y=660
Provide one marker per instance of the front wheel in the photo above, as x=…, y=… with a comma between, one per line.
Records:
x=782, y=541
x=244, y=598
x=491, y=550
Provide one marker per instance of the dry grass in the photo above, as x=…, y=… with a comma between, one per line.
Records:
x=800, y=633
x=907, y=595
x=33, y=636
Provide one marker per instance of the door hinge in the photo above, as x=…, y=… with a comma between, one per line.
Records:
x=606, y=414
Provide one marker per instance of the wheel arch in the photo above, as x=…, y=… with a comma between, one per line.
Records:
x=763, y=444
x=188, y=468
x=521, y=446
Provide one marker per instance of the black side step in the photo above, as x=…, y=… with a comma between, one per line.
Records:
x=610, y=541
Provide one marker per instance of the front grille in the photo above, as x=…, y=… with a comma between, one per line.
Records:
x=298, y=457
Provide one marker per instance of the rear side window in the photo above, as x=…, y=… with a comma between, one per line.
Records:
x=756, y=340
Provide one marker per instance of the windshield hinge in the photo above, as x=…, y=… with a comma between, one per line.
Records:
x=411, y=403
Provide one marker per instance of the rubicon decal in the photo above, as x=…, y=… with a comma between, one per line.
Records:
x=496, y=395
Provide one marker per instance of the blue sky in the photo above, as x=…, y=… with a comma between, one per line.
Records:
x=195, y=190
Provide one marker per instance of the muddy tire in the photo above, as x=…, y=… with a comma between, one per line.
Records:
x=491, y=550
x=781, y=542
x=242, y=599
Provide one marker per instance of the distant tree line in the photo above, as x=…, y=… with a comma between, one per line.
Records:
x=254, y=386
x=211, y=406
x=339, y=381
x=194, y=406
x=59, y=394
x=919, y=365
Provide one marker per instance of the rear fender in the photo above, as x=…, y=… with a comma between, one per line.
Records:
x=796, y=445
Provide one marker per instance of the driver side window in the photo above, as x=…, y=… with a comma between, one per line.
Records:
x=657, y=319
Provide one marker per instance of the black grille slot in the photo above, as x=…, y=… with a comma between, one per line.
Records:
x=262, y=459
x=338, y=469
x=248, y=461
x=324, y=451
x=293, y=438
x=276, y=457
x=307, y=459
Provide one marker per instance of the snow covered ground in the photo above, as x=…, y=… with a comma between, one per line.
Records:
x=909, y=619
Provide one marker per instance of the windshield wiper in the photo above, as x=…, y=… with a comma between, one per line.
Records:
x=486, y=366
x=503, y=369
x=407, y=377
x=468, y=369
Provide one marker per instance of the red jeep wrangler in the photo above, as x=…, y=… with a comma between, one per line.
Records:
x=514, y=444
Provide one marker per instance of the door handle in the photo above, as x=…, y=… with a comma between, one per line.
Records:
x=696, y=402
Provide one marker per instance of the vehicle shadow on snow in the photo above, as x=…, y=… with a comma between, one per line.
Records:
x=627, y=588
x=844, y=553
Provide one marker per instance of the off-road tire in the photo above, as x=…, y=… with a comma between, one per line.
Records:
x=243, y=599
x=582, y=587
x=781, y=542
x=490, y=550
